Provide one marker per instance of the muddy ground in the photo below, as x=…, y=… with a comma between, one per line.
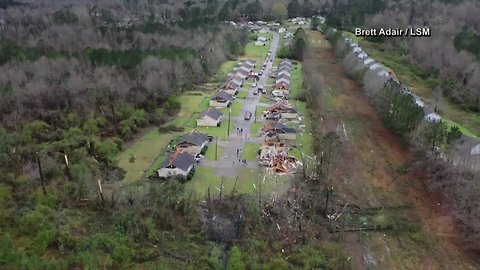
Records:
x=372, y=172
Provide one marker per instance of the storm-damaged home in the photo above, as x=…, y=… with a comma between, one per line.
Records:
x=179, y=164
x=194, y=143
x=281, y=110
x=210, y=118
x=276, y=131
x=221, y=100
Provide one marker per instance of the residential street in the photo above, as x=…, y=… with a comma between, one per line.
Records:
x=237, y=141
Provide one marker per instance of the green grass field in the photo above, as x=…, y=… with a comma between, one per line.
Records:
x=220, y=132
x=224, y=70
x=210, y=154
x=257, y=53
x=250, y=151
x=236, y=107
x=255, y=129
x=297, y=81
x=147, y=149
x=249, y=181
x=242, y=94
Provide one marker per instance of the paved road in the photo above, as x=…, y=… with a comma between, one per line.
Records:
x=230, y=159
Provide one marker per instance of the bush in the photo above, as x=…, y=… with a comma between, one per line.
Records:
x=170, y=128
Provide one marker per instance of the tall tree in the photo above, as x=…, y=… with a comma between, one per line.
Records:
x=293, y=9
x=279, y=11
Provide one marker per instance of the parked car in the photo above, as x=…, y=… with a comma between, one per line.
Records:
x=254, y=84
x=255, y=92
x=248, y=115
x=260, y=87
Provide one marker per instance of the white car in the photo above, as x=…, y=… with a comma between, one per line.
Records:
x=254, y=84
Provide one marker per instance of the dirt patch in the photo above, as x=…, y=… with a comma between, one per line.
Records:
x=369, y=174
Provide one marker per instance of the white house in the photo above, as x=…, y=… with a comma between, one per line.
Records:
x=193, y=143
x=179, y=164
x=259, y=43
x=262, y=39
x=210, y=118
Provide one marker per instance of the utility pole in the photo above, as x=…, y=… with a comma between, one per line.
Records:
x=228, y=128
x=41, y=174
x=216, y=147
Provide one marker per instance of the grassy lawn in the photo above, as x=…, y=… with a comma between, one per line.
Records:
x=224, y=70
x=259, y=112
x=203, y=178
x=255, y=129
x=146, y=150
x=296, y=80
x=236, y=107
x=242, y=94
x=210, y=154
x=155, y=165
x=249, y=181
x=220, y=132
x=256, y=52
x=250, y=151
x=264, y=99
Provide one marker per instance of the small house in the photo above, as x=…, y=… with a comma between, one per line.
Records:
x=262, y=39
x=284, y=110
x=194, y=143
x=179, y=164
x=281, y=86
x=277, y=131
x=242, y=67
x=241, y=73
x=249, y=62
x=284, y=68
x=221, y=100
x=287, y=35
x=232, y=92
x=282, y=30
x=286, y=62
x=210, y=118
x=283, y=75
x=282, y=79
x=259, y=43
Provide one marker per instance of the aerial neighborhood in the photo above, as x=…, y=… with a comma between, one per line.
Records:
x=280, y=119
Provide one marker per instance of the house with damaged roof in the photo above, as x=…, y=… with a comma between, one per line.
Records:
x=210, y=118
x=221, y=100
x=179, y=164
x=281, y=110
x=276, y=131
x=194, y=143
